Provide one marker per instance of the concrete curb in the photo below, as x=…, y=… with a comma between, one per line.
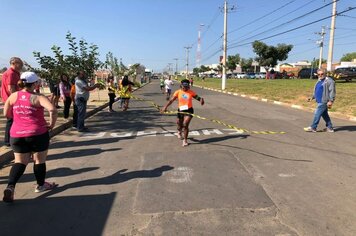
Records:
x=6, y=154
x=332, y=114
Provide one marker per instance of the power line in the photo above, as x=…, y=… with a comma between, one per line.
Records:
x=293, y=29
x=262, y=17
x=288, y=22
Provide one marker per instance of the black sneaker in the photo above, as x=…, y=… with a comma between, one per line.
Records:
x=9, y=194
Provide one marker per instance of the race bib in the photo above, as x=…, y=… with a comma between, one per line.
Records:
x=183, y=108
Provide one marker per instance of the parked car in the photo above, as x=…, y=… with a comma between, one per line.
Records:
x=241, y=76
x=306, y=73
x=251, y=75
x=346, y=73
x=261, y=75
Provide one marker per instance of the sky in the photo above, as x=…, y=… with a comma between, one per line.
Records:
x=154, y=32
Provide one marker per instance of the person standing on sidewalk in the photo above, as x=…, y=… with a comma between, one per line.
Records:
x=324, y=95
x=29, y=133
x=75, y=109
x=10, y=78
x=111, y=92
x=82, y=90
x=185, y=108
x=64, y=88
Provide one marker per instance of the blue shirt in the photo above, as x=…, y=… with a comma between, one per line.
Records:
x=319, y=88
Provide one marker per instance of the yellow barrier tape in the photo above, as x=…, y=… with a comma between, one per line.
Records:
x=211, y=120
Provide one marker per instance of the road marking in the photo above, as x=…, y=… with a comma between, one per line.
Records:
x=209, y=132
x=180, y=175
x=264, y=100
x=121, y=135
x=286, y=175
x=276, y=102
x=93, y=135
x=243, y=95
x=146, y=134
x=297, y=107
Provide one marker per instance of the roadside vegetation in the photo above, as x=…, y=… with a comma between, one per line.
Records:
x=293, y=91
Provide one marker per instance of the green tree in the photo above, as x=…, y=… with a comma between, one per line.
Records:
x=268, y=56
x=83, y=57
x=315, y=62
x=3, y=69
x=246, y=64
x=196, y=71
x=232, y=62
x=348, y=56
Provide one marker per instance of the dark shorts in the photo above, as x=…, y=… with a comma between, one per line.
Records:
x=181, y=116
x=55, y=90
x=38, y=143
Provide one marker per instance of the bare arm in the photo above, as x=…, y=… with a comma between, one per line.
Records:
x=164, y=109
x=12, y=88
x=8, y=105
x=53, y=114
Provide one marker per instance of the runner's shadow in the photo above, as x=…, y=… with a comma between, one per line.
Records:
x=218, y=139
x=59, y=172
x=116, y=178
x=345, y=128
x=80, y=153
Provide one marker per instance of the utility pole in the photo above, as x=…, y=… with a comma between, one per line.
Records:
x=223, y=79
x=332, y=35
x=170, y=68
x=321, y=44
x=187, y=48
x=176, y=59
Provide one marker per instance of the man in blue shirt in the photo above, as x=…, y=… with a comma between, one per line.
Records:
x=324, y=95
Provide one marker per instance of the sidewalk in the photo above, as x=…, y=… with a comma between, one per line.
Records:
x=98, y=100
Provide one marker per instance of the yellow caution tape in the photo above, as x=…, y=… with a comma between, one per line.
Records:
x=211, y=120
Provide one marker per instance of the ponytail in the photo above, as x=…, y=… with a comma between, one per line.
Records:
x=22, y=84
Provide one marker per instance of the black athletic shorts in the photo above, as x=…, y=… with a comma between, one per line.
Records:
x=38, y=143
x=181, y=116
x=55, y=90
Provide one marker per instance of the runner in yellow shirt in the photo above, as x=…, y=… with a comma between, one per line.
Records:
x=185, y=104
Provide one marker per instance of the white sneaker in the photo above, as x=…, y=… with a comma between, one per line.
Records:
x=329, y=130
x=310, y=129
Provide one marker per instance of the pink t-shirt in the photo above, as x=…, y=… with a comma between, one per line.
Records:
x=28, y=119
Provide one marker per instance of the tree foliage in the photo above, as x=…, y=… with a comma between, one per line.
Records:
x=112, y=63
x=232, y=62
x=349, y=56
x=268, y=56
x=83, y=56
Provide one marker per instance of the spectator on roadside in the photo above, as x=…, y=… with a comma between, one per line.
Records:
x=9, y=85
x=125, y=92
x=29, y=133
x=55, y=93
x=324, y=95
x=191, y=81
x=111, y=92
x=81, y=98
x=64, y=89
x=75, y=109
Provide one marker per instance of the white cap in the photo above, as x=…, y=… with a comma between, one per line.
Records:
x=29, y=77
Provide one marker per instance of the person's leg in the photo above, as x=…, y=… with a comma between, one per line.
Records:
x=186, y=123
x=111, y=100
x=81, y=113
x=180, y=125
x=56, y=100
x=67, y=104
x=327, y=119
x=7, y=132
x=317, y=115
x=75, y=115
x=17, y=170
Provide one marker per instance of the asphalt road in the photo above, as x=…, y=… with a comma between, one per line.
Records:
x=131, y=176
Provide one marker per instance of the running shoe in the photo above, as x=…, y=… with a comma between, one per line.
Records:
x=329, y=130
x=9, y=194
x=46, y=186
x=310, y=129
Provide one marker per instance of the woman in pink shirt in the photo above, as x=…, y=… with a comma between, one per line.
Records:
x=64, y=88
x=29, y=134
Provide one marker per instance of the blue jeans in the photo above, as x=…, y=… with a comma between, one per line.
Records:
x=321, y=111
x=82, y=109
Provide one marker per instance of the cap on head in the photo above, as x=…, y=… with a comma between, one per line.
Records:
x=185, y=83
x=29, y=77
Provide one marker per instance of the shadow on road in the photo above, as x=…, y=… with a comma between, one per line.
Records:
x=345, y=128
x=118, y=177
x=59, y=172
x=70, y=215
x=93, y=152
